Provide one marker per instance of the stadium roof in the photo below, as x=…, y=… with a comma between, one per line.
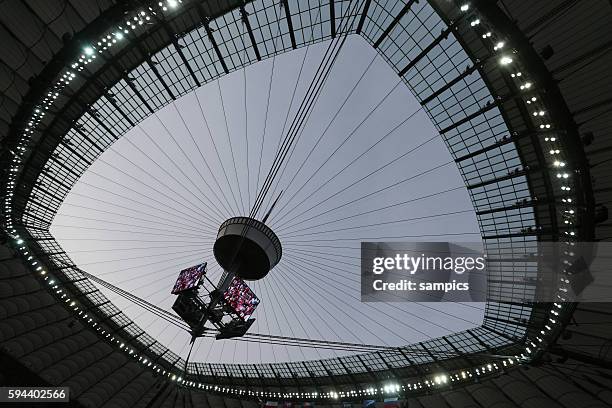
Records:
x=451, y=57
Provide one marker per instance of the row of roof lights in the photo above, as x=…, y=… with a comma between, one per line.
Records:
x=542, y=122
x=438, y=380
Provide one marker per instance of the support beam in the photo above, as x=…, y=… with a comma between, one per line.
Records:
x=151, y=65
x=312, y=377
x=513, y=282
x=216, y=47
x=147, y=57
x=58, y=181
x=179, y=50
x=285, y=4
x=244, y=15
x=130, y=83
x=479, y=340
x=460, y=354
x=468, y=71
x=38, y=218
x=488, y=107
x=348, y=372
x=102, y=124
x=113, y=102
x=211, y=38
x=516, y=206
x=332, y=18
x=79, y=129
x=371, y=372
x=508, y=321
x=443, y=35
x=88, y=109
x=65, y=166
x=294, y=376
x=502, y=334
x=396, y=20
x=506, y=140
x=485, y=149
x=516, y=234
x=508, y=176
x=76, y=153
x=364, y=14
x=432, y=355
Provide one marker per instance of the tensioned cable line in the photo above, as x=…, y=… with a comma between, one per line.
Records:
x=414, y=149
x=176, y=214
x=76, y=251
x=212, y=173
x=212, y=139
x=141, y=257
x=395, y=184
x=280, y=214
x=138, y=266
x=230, y=145
x=412, y=200
x=196, y=168
x=380, y=223
x=205, y=200
x=282, y=153
x=222, y=202
x=299, y=321
x=313, y=90
x=189, y=209
x=346, y=99
x=321, y=289
x=263, y=141
x=267, y=284
x=350, y=276
x=166, y=186
x=246, y=132
x=140, y=181
x=271, y=339
x=390, y=132
x=169, y=276
x=331, y=283
x=448, y=234
x=152, y=140
x=268, y=98
x=312, y=93
x=274, y=184
x=131, y=231
x=179, y=323
x=297, y=82
x=119, y=215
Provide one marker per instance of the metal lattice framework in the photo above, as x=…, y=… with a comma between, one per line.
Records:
x=448, y=56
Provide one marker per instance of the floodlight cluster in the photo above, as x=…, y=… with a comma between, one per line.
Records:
x=509, y=61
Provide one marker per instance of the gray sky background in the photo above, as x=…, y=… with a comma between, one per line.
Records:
x=143, y=211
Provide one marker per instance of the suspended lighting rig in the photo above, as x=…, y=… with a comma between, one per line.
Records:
x=246, y=249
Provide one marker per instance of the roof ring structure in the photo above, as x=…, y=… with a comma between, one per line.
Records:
x=470, y=71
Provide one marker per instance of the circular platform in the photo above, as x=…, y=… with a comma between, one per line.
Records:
x=247, y=247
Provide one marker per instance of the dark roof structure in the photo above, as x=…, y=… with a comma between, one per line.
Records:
x=519, y=91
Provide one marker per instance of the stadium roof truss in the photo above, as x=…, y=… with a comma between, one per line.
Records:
x=473, y=72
